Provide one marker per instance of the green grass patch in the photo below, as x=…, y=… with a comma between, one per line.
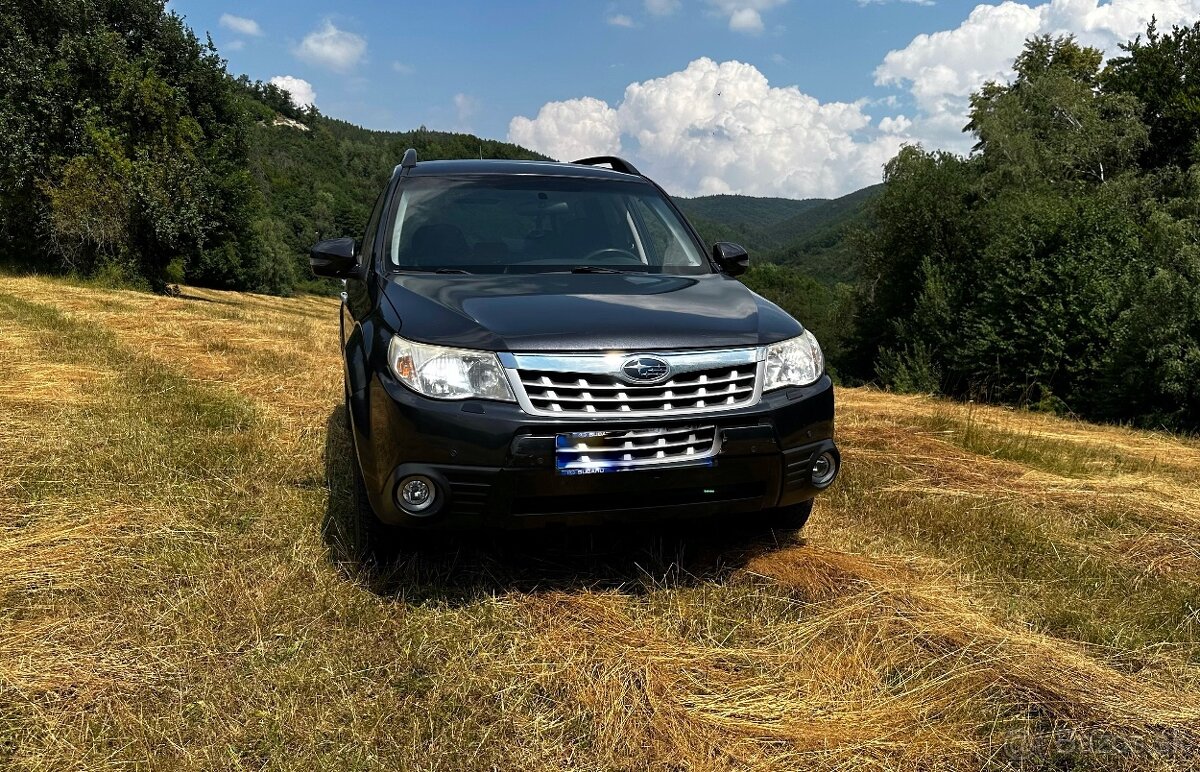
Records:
x=1048, y=564
x=1067, y=458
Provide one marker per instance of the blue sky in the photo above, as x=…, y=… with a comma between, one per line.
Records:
x=767, y=97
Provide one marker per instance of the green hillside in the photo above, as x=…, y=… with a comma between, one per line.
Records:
x=745, y=220
x=319, y=176
x=1055, y=265
x=824, y=221
x=810, y=235
x=817, y=242
x=753, y=211
x=713, y=231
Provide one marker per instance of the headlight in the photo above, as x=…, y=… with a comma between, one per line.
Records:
x=794, y=362
x=448, y=373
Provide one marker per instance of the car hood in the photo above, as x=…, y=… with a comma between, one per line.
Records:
x=584, y=312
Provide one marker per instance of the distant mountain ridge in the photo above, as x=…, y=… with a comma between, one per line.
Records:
x=751, y=212
x=808, y=234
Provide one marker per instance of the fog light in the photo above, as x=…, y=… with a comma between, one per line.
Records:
x=416, y=494
x=824, y=469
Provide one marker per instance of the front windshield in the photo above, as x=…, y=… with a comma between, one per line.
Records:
x=530, y=224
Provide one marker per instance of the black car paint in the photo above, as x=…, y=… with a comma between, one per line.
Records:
x=584, y=312
x=496, y=442
x=497, y=448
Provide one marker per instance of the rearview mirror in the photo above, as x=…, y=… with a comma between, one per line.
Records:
x=732, y=259
x=335, y=258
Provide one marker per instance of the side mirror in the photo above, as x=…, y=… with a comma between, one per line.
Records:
x=334, y=258
x=731, y=258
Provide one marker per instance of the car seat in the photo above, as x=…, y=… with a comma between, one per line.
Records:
x=439, y=244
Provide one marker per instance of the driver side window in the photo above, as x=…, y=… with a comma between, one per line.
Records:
x=366, y=247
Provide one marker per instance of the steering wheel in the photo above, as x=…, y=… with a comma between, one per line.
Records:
x=623, y=255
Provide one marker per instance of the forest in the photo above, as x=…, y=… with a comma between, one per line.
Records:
x=1056, y=266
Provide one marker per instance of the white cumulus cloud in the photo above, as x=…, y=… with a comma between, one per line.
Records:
x=301, y=90
x=718, y=128
x=895, y=124
x=746, y=20
x=568, y=130
x=331, y=47
x=465, y=107
x=240, y=24
x=744, y=15
x=620, y=20
x=662, y=7
x=942, y=69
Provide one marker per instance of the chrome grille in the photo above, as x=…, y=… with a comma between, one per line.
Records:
x=565, y=393
x=591, y=385
x=608, y=451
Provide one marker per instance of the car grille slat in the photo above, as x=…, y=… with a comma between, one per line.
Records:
x=586, y=392
x=557, y=382
x=468, y=497
x=668, y=396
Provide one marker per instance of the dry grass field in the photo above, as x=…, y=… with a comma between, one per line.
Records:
x=983, y=588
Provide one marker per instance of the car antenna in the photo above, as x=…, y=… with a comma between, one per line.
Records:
x=410, y=158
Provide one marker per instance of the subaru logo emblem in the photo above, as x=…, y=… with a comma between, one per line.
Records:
x=645, y=369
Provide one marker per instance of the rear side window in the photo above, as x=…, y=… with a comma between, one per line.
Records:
x=530, y=224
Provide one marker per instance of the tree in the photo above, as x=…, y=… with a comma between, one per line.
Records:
x=129, y=143
x=1163, y=73
x=1049, y=263
x=1051, y=125
x=922, y=224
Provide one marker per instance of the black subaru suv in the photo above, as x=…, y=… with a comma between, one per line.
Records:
x=529, y=343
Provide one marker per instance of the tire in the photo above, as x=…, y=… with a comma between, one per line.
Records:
x=366, y=539
x=359, y=535
x=790, y=518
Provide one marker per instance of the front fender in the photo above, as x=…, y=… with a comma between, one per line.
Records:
x=358, y=354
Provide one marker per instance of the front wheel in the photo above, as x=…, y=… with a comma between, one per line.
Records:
x=790, y=518
x=360, y=536
x=366, y=538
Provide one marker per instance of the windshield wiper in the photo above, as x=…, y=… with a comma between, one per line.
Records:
x=450, y=270
x=594, y=269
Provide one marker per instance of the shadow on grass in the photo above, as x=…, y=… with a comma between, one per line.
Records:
x=197, y=298
x=460, y=567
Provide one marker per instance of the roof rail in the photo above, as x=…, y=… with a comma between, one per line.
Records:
x=410, y=158
x=618, y=164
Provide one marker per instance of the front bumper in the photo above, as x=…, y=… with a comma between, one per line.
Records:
x=495, y=464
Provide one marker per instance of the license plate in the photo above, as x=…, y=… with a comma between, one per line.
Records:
x=604, y=452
